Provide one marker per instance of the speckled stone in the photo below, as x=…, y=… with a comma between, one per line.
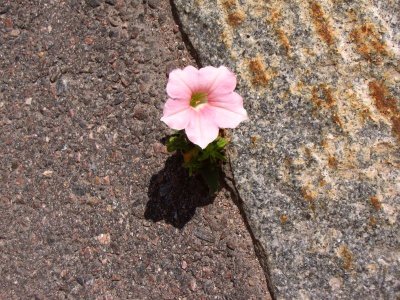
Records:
x=318, y=164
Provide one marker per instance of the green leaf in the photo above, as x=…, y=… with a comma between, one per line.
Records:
x=210, y=174
x=177, y=141
x=171, y=144
x=220, y=156
x=206, y=161
x=221, y=142
x=203, y=156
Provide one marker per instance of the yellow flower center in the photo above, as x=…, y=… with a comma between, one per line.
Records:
x=198, y=98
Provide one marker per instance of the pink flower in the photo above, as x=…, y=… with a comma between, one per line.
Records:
x=201, y=102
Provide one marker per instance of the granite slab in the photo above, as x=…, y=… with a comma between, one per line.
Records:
x=318, y=165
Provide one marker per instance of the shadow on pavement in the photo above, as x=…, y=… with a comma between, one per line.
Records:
x=174, y=196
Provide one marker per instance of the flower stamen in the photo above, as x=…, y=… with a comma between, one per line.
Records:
x=198, y=98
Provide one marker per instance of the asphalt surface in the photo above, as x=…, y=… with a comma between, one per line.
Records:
x=91, y=205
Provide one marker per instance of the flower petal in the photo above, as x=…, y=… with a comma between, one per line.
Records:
x=201, y=129
x=227, y=111
x=217, y=81
x=177, y=114
x=182, y=83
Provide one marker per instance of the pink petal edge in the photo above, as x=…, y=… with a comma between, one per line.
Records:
x=223, y=83
x=176, y=114
x=228, y=110
x=201, y=130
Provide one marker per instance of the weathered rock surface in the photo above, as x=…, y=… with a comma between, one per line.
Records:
x=91, y=205
x=318, y=165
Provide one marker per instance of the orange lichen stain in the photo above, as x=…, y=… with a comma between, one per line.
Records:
x=332, y=162
x=385, y=104
x=259, y=73
x=284, y=40
x=283, y=219
x=322, y=182
x=328, y=94
x=346, y=256
x=383, y=148
x=307, y=52
x=349, y=160
x=322, y=96
x=368, y=42
x=287, y=162
x=396, y=125
x=351, y=15
x=321, y=23
x=372, y=221
x=336, y=119
x=308, y=193
x=365, y=114
x=324, y=144
x=254, y=140
x=274, y=16
x=236, y=18
x=376, y=203
x=300, y=86
x=307, y=153
x=228, y=4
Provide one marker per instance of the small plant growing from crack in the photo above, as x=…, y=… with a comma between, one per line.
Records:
x=201, y=102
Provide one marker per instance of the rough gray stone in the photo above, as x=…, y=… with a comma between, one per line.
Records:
x=153, y=3
x=94, y=3
x=317, y=165
x=83, y=211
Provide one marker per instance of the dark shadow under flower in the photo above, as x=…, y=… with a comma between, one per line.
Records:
x=174, y=196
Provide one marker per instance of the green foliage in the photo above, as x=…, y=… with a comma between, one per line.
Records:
x=210, y=174
x=205, y=162
x=177, y=141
